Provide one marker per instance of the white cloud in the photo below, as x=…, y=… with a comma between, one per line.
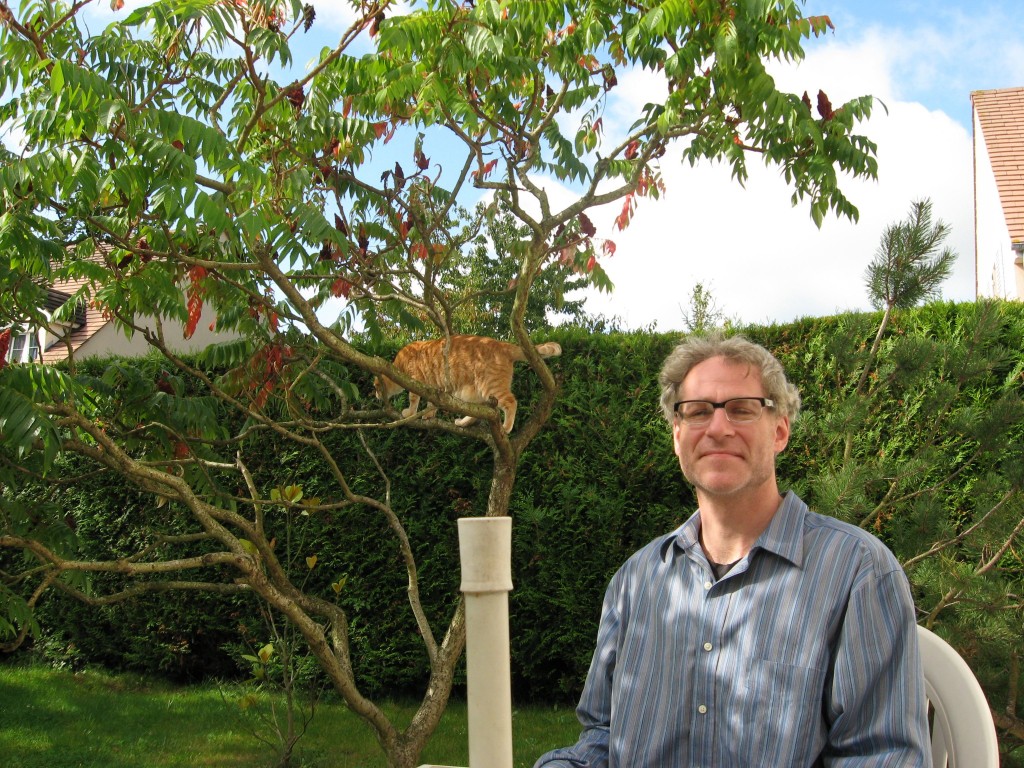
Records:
x=102, y=13
x=762, y=259
x=13, y=137
x=339, y=15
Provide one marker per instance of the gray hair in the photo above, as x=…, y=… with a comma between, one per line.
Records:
x=697, y=349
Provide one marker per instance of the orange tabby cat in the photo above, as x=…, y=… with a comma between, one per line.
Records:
x=473, y=368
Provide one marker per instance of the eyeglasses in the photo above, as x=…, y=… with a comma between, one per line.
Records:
x=738, y=410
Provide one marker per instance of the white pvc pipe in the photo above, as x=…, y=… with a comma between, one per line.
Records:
x=485, y=551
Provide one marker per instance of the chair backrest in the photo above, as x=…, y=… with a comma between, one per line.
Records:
x=963, y=734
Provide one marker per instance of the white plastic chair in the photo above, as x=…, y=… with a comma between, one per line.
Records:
x=963, y=734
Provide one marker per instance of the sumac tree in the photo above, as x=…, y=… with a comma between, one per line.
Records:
x=179, y=159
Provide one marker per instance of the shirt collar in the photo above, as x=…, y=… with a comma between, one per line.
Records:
x=782, y=537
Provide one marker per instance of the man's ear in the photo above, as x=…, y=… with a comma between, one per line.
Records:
x=781, y=434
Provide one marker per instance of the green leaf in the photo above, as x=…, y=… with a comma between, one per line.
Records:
x=24, y=429
x=57, y=78
x=249, y=547
x=339, y=584
x=266, y=653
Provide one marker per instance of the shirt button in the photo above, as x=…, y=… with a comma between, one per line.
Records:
x=702, y=709
x=707, y=585
x=707, y=646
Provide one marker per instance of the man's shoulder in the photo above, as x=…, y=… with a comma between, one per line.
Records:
x=838, y=536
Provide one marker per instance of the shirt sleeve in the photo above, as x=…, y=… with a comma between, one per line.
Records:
x=876, y=704
x=591, y=751
x=595, y=706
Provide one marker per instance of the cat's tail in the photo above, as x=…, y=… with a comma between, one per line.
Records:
x=549, y=349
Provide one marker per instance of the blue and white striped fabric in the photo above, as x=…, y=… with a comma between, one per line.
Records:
x=804, y=654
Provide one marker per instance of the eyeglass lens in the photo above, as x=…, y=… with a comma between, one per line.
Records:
x=738, y=410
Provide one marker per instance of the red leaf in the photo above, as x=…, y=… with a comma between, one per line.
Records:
x=5, y=344
x=340, y=288
x=622, y=220
x=486, y=170
x=196, y=291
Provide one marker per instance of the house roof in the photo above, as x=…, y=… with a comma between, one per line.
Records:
x=1000, y=113
x=56, y=299
x=91, y=317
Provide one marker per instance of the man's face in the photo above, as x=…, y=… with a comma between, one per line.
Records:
x=721, y=459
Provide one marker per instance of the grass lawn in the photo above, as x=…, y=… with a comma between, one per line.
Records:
x=59, y=719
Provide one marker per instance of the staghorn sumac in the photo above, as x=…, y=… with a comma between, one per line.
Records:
x=196, y=292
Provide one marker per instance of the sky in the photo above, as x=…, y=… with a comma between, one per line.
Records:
x=763, y=260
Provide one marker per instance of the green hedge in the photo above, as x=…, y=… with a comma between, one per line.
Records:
x=600, y=481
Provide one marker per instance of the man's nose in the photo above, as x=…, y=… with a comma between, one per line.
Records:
x=719, y=422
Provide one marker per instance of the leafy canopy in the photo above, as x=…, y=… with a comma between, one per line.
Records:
x=180, y=161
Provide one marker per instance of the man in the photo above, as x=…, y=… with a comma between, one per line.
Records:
x=759, y=634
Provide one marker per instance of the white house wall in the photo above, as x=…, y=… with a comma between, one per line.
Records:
x=109, y=340
x=996, y=273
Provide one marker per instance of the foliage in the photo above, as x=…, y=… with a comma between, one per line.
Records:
x=704, y=314
x=486, y=282
x=909, y=266
x=934, y=470
x=180, y=161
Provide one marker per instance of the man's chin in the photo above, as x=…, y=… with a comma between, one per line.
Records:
x=712, y=485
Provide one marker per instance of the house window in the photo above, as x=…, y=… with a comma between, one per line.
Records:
x=24, y=348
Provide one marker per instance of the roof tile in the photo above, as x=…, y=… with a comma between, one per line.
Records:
x=1001, y=117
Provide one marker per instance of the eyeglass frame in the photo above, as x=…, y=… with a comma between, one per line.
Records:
x=766, y=402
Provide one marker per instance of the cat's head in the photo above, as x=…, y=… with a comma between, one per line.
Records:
x=384, y=388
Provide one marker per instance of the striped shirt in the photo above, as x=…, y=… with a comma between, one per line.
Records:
x=804, y=654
